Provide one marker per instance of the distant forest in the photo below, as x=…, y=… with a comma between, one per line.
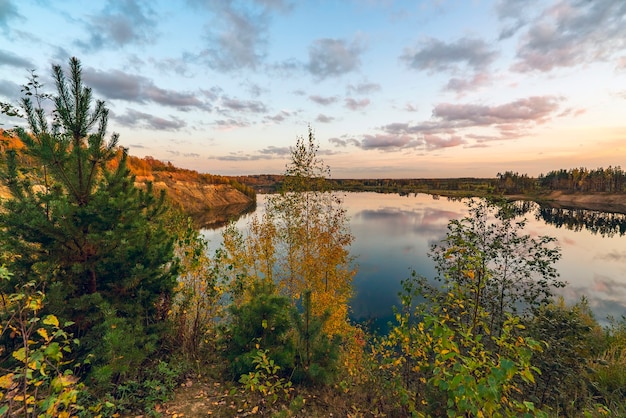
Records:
x=583, y=180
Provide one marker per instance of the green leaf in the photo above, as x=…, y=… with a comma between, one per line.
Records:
x=53, y=351
x=528, y=376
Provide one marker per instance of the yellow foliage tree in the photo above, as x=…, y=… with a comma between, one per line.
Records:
x=196, y=306
x=302, y=242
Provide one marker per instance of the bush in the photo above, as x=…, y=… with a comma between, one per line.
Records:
x=264, y=320
x=36, y=376
x=438, y=365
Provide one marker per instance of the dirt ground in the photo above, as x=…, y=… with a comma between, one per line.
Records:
x=210, y=398
x=204, y=398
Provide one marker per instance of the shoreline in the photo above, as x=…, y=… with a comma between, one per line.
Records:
x=604, y=202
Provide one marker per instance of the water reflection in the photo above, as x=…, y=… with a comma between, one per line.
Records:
x=393, y=234
x=220, y=216
x=603, y=223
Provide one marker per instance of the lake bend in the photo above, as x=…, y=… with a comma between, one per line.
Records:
x=393, y=235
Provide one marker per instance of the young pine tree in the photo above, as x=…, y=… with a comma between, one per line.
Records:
x=76, y=222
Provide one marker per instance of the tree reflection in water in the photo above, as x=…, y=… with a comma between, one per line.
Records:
x=604, y=223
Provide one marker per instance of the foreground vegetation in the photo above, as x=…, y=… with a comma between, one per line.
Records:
x=110, y=300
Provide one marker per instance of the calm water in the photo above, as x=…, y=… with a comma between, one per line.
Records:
x=393, y=235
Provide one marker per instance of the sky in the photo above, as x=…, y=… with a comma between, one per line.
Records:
x=390, y=88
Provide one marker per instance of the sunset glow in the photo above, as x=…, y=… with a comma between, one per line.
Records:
x=430, y=88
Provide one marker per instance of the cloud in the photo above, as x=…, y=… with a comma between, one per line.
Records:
x=409, y=107
x=237, y=32
x=386, y=141
x=9, y=89
x=573, y=33
x=120, y=23
x=279, y=5
x=333, y=57
x=324, y=101
x=135, y=119
x=363, y=88
x=279, y=151
x=455, y=124
x=280, y=116
x=269, y=153
x=8, y=11
x=434, y=142
x=344, y=142
x=185, y=154
x=514, y=14
x=255, y=90
x=537, y=109
x=613, y=255
x=463, y=85
x=175, y=66
x=324, y=118
x=11, y=60
x=119, y=85
x=353, y=104
x=213, y=93
x=228, y=124
x=238, y=157
x=433, y=55
x=608, y=285
x=249, y=106
x=286, y=68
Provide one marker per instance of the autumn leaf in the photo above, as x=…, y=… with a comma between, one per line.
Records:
x=51, y=320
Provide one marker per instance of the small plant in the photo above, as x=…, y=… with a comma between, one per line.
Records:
x=36, y=378
x=265, y=378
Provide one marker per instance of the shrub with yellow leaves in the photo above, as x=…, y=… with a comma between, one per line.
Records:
x=435, y=365
x=35, y=376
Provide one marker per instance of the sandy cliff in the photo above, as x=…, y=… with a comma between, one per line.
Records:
x=206, y=203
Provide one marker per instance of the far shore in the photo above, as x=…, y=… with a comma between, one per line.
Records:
x=605, y=202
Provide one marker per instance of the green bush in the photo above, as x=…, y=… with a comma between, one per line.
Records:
x=317, y=354
x=264, y=320
x=439, y=366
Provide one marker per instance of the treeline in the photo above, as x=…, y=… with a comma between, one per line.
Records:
x=262, y=183
x=582, y=180
x=608, y=180
x=270, y=183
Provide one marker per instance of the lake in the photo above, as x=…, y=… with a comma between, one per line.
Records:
x=393, y=234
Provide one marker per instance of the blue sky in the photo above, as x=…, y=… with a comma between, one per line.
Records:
x=432, y=88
